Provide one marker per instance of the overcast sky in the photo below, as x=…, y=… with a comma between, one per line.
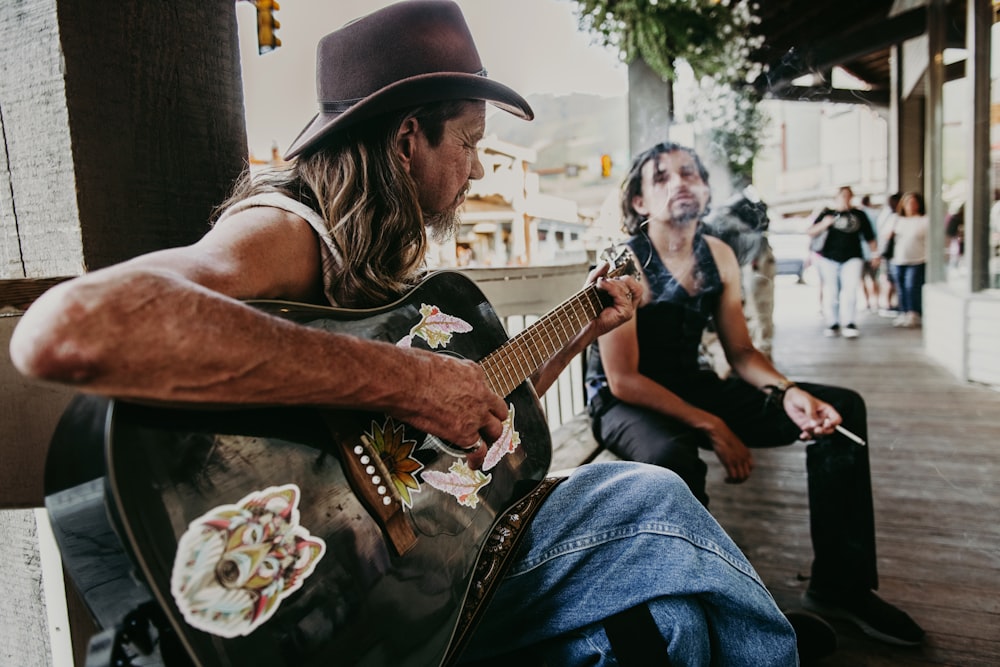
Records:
x=533, y=46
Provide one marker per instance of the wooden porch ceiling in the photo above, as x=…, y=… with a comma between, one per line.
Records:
x=813, y=36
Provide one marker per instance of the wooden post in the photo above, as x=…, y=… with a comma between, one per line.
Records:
x=121, y=128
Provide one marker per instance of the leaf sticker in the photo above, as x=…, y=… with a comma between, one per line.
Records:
x=435, y=327
x=505, y=444
x=460, y=481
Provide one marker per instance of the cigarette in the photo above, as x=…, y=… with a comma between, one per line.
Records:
x=848, y=434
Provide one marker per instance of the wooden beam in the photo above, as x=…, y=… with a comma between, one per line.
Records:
x=876, y=98
x=123, y=128
x=805, y=58
x=18, y=294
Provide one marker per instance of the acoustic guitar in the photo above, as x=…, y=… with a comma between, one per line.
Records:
x=300, y=536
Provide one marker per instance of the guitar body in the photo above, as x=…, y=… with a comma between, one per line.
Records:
x=273, y=536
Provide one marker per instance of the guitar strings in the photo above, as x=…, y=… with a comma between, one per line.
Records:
x=542, y=337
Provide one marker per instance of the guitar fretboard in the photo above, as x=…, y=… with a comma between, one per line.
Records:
x=514, y=361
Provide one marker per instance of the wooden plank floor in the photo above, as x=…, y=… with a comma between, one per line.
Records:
x=935, y=454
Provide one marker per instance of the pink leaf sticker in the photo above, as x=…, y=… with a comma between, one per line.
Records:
x=435, y=327
x=505, y=444
x=460, y=481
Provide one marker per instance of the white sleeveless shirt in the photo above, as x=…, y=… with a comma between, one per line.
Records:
x=328, y=254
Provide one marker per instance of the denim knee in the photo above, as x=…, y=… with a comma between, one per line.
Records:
x=680, y=623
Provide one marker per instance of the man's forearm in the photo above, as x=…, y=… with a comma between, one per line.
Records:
x=156, y=338
x=643, y=392
x=547, y=374
x=755, y=369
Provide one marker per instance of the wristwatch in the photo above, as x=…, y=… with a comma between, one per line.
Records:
x=776, y=392
x=783, y=385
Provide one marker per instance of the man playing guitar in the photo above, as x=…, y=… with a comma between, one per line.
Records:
x=345, y=223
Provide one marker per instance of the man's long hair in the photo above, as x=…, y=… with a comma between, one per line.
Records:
x=632, y=186
x=357, y=183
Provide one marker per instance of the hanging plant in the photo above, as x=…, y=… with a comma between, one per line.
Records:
x=713, y=36
x=716, y=39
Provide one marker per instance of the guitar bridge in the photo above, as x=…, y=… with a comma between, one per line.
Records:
x=372, y=484
x=374, y=466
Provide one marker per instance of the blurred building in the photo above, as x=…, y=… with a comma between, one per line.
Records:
x=507, y=221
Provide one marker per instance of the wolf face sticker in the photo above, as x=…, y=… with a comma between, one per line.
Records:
x=236, y=563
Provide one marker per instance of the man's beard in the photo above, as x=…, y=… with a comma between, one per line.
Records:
x=443, y=225
x=686, y=214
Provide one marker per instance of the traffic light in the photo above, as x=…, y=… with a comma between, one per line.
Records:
x=266, y=25
x=605, y=166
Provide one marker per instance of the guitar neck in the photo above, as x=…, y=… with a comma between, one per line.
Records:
x=514, y=361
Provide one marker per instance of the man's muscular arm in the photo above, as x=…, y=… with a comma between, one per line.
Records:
x=170, y=327
x=813, y=416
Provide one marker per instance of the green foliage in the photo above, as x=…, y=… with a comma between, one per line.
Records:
x=715, y=38
x=712, y=36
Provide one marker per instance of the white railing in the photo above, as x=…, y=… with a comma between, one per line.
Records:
x=520, y=296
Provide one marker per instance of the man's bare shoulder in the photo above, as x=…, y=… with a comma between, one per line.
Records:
x=720, y=249
x=725, y=259
x=267, y=229
x=263, y=252
x=259, y=217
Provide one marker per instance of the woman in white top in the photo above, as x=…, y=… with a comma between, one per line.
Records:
x=909, y=257
x=889, y=301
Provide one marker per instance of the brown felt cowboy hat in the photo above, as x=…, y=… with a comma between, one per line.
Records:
x=405, y=55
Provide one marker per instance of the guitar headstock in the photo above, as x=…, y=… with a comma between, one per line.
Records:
x=621, y=261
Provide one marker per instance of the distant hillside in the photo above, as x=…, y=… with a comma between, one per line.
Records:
x=572, y=130
x=568, y=129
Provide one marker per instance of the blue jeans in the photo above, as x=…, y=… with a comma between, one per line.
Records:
x=910, y=283
x=617, y=535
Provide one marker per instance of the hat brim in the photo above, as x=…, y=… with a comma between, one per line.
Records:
x=408, y=93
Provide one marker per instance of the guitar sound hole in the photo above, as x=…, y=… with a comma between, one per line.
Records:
x=454, y=450
x=435, y=512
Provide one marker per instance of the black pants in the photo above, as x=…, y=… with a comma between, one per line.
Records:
x=840, y=498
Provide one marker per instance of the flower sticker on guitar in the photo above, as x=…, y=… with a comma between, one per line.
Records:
x=396, y=456
x=435, y=327
x=236, y=563
x=507, y=442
